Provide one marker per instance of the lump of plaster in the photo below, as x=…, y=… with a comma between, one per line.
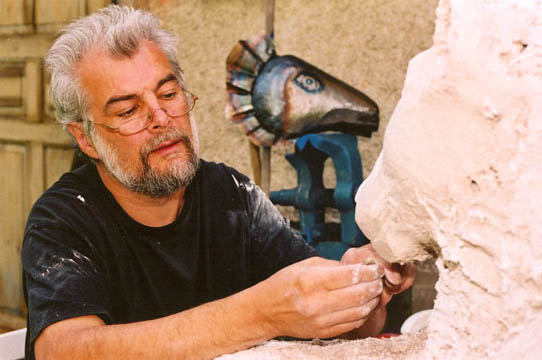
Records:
x=460, y=178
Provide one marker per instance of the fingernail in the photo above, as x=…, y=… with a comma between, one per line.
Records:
x=393, y=277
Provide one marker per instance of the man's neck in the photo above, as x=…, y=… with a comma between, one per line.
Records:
x=143, y=209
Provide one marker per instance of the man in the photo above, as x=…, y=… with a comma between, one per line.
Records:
x=150, y=252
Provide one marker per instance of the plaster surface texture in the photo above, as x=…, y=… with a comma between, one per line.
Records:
x=460, y=178
x=405, y=347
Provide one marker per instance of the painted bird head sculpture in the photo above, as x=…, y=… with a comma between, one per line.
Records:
x=275, y=97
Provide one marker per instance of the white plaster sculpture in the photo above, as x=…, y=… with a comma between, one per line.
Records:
x=460, y=178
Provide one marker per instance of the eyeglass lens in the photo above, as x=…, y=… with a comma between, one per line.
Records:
x=174, y=105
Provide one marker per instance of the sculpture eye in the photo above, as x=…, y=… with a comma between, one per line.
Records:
x=309, y=82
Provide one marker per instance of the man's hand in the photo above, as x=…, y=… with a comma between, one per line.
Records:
x=320, y=298
x=397, y=278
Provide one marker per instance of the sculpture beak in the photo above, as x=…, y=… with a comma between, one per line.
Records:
x=293, y=98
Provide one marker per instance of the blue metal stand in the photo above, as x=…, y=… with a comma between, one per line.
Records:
x=310, y=196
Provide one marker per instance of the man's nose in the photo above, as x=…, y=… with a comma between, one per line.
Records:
x=158, y=119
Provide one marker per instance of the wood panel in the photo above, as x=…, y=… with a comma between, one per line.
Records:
x=48, y=108
x=13, y=212
x=94, y=5
x=33, y=94
x=15, y=12
x=52, y=15
x=11, y=90
x=57, y=162
x=10, y=322
x=140, y=4
x=22, y=131
x=21, y=89
x=17, y=47
x=35, y=173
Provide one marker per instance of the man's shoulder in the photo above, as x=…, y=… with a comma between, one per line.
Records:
x=67, y=196
x=219, y=173
x=221, y=183
x=81, y=181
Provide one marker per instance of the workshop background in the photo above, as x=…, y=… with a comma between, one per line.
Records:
x=365, y=43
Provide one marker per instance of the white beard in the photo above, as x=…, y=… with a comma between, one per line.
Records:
x=146, y=180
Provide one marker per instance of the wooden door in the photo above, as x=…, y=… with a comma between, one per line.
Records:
x=34, y=150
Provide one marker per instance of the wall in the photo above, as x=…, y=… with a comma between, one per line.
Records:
x=365, y=43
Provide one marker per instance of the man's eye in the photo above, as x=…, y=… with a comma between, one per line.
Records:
x=128, y=112
x=170, y=95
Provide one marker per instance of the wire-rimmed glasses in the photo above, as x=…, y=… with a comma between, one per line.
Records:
x=137, y=118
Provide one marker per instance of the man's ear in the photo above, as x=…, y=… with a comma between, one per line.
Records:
x=86, y=146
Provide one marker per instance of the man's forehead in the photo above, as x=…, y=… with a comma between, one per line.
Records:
x=104, y=75
x=100, y=58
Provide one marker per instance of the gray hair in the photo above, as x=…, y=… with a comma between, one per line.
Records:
x=119, y=29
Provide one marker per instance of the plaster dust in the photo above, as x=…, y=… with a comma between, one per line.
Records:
x=405, y=347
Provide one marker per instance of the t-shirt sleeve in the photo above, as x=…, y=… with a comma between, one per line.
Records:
x=274, y=244
x=62, y=277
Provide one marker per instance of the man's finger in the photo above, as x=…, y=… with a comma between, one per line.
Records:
x=339, y=277
x=393, y=274
x=405, y=279
x=357, y=295
x=357, y=313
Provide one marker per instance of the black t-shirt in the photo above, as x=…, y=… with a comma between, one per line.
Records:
x=83, y=255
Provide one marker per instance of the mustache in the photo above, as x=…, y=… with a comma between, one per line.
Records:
x=171, y=134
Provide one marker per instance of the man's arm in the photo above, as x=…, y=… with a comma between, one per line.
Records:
x=313, y=298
